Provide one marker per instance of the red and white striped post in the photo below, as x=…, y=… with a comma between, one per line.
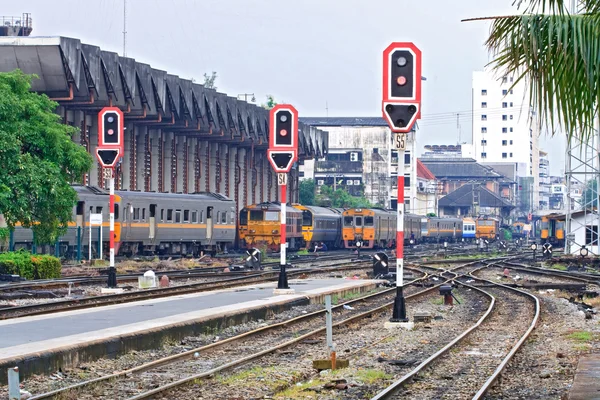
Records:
x=282, y=283
x=112, y=272
x=399, y=313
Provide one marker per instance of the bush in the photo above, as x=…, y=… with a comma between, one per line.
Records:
x=30, y=266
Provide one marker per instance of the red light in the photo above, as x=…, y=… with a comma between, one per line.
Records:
x=401, y=81
x=110, y=131
x=283, y=132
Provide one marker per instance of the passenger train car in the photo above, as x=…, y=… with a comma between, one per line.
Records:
x=469, y=229
x=321, y=224
x=148, y=223
x=436, y=229
x=260, y=225
x=553, y=229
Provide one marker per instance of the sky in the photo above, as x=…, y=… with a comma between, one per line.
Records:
x=322, y=56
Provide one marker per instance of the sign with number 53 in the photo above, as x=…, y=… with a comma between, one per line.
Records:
x=400, y=141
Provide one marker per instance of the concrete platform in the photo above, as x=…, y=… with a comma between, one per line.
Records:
x=42, y=344
x=586, y=385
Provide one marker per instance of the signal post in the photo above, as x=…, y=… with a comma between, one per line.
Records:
x=282, y=154
x=109, y=153
x=401, y=107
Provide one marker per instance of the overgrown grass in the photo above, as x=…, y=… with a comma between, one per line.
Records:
x=300, y=391
x=581, y=336
x=335, y=299
x=560, y=267
x=370, y=376
x=244, y=375
x=302, y=252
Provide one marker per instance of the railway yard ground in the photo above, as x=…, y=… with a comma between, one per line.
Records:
x=516, y=330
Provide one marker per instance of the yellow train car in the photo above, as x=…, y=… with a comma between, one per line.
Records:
x=487, y=228
x=553, y=229
x=372, y=227
x=321, y=225
x=264, y=224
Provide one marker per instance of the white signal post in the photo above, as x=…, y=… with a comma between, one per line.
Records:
x=282, y=282
x=399, y=314
x=111, y=208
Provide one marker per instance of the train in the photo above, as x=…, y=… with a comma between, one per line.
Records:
x=147, y=223
x=553, y=229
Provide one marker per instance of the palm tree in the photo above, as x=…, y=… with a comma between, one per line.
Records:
x=558, y=53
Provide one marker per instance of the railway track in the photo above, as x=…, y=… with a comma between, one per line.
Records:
x=208, y=360
x=469, y=365
x=98, y=301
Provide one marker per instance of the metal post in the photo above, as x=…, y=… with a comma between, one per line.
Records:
x=399, y=313
x=90, y=239
x=78, y=244
x=283, y=282
x=112, y=272
x=11, y=240
x=329, y=330
x=14, y=391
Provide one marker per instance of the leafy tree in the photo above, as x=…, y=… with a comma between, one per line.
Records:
x=271, y=102
x=341, y=198
x=38, y=158
x=209, y=80
x=307, y=192
x=557, y=53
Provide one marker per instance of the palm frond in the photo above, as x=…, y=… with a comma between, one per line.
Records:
x=559, y=56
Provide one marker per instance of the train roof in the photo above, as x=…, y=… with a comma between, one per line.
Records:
x=321, y=211
x=271, y=206
x=153, y=195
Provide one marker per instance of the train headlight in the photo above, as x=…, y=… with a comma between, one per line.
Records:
x=274, y=231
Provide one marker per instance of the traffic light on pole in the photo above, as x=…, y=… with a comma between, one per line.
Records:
x=110, y=136
x=283, y=137
x=401, y=86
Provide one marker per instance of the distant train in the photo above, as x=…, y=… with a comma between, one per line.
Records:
x=259, y=226
x=553, y=229
x=148, y=223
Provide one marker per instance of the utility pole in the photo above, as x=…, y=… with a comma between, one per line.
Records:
x=124, y=28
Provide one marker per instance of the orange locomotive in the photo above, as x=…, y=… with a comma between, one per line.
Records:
x=260, y=224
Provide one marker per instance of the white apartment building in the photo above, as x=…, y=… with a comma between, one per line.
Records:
x=504, y=127
x=371, y=139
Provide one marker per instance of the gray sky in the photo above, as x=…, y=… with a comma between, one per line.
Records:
x=306, y=52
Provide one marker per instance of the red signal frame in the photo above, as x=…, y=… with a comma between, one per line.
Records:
x=120, y=145
x=286, y=149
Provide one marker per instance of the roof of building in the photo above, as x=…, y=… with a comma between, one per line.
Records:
x=464, y=195
x=454, y=168
x=344, y=121
x=423, y=171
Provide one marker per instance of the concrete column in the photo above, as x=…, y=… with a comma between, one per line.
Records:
x=128, y=160
x=191, y=150
x=182, y=167
x=141, y=147
x=155, y=143
x=95, y=172
x=217, y=162
x=241, y=176
x=226, y=171
x=204, y=171
x=168, y=141
x=197, y=161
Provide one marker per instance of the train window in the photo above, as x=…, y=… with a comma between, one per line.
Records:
x=136, y=214
x=202, y=216
x=169, y=215
x=98, y=210
x=348, y=221
x=244, y=217
x=307, y=218
x=80, y=207
x=271, y=216
x=256, y=215
x=358, y=221
x=218, y=220
x=162, y=215
x=368, y=221
x=116, y=212
x=232, y=217
x=224, y=217
x=186, y=215
x=194, y=217
x=177, y=216
x=143, y=214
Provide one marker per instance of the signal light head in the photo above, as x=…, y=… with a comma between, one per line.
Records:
x=401, y=61
x=283, y=132
x=401, y=80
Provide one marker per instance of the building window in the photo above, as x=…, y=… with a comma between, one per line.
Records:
x=407, y=158
x=504, y=143
x=510, y=116
x=511, y=92
x=591, y=235
x=483, y=92
x=406, y=181
x=503, y=155
x=357, y=182
x=483, y=142
x=504, y=117
x=511, y=142
x=504, y=104
x=375, y=150
x=484, y=117
x=483, y=155
x=484, y=130
x=511, y=78
x=504, y=92
x=504, y=130
x=511, y=129
x=483, y=104
x=504, y=80
x=349, y=182
x=320, y=182
x=510, y=155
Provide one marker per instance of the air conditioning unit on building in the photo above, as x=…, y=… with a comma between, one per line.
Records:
x=431, y=190
x=354, y=156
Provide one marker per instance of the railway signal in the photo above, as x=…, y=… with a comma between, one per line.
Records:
x=547, y=250
x=534, y=249
x=380, y=264
x=282, y=154
x=401, y=107
x=111, y=127
x=253, y=259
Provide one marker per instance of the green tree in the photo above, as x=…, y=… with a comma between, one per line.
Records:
x=209, y=80
x=271, y=102
x=557, y=52
x=307, y=192
x=38, y=158
x=341, y=198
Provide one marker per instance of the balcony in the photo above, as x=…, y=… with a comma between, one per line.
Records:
x=339, y=167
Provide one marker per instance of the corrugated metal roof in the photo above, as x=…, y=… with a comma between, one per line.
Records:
x=459, y=168
x=345, y=121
